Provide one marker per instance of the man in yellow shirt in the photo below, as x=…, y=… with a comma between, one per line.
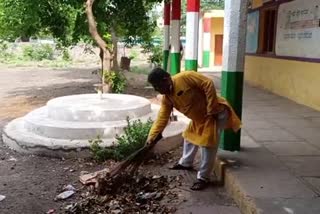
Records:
x=194, y=95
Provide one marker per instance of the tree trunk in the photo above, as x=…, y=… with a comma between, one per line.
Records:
x=114, y=38
x=105, y=52
x=95, y=35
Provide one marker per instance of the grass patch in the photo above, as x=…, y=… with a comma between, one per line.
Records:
x=133, y=138
x=140, y=70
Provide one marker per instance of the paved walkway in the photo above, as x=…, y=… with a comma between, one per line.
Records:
x=278, y=169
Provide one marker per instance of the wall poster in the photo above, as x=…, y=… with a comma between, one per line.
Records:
x=298, y=29
x=252, y=32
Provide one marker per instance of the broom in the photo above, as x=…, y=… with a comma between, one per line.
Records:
x=112, y=180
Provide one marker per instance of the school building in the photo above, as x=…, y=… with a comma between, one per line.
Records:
x=283, y=48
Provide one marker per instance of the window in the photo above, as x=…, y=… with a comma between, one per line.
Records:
x=268, y=30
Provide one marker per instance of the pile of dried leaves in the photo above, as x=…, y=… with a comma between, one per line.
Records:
x=134, y=194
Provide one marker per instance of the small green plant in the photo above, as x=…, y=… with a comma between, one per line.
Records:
x=156, y=56
x=140, y=70
x=117, y=81
x=99, y=153
x=66, y=55
x=5, y=54
x=38, y=52
x=133, y=54
x=134, y=138
x=155, y=51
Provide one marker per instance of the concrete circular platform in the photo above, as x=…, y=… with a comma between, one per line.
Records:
x=65, y=125
x=89, y=107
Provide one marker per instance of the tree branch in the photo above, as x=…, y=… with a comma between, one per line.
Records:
x=93, y=28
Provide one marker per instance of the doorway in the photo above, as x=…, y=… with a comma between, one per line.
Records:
x=218, y=50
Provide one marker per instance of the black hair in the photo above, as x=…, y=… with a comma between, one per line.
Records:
x=157, y=75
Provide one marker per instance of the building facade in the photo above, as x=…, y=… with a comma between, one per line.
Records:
x=283, y=48
x=211, y=39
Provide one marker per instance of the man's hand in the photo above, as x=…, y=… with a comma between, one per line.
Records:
x=152, y=142
x=149, y=142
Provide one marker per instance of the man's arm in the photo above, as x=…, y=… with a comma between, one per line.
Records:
x=205, y=84
x=162, y=120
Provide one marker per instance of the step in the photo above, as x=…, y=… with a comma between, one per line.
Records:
x=90, y=108
x=20, y=139
x=39, y=123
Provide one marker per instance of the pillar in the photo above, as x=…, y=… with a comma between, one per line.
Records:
x=233, y=64
x=192, y=31
x=206, y=42
x=175, y=37
x=200, y=37
x=166, y=28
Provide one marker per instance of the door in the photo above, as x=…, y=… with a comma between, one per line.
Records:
x=218, y=50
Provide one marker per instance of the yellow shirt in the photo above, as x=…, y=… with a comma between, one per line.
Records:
x=194, y=95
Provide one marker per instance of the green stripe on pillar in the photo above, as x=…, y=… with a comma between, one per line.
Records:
x=191, y=65
x=232, y=87
x=206, y=59
x=175, y=63
x=165, y=59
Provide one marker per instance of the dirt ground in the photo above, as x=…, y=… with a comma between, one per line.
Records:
x=30, y=183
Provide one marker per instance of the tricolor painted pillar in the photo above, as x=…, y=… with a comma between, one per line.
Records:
x=200, y=43
x=166, y=28
x=206, y=42
x=175, y=37
x=233, y=64
x=192, y=31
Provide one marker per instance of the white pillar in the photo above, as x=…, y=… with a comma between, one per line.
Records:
x=235, y=26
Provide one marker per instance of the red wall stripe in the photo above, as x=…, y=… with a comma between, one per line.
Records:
x=193, y=5
x=176, y=9
x=166, y=14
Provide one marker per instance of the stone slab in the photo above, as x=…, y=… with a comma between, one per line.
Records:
x=272, y=134
x=288, y=206
x=305, y=132
x=261, y=174
x=303, y=165
x=292, y=148
x=258, y=124
x=314, y=182
x=297, y=123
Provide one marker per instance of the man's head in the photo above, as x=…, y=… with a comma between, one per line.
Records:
x=160, y=80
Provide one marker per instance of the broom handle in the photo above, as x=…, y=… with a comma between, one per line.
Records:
x=155, y=141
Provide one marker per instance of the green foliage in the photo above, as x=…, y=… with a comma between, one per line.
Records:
x=207, y=5
x=155, y=51
x=134, y=138
x=117, y=80
x=5, y=54
x=133, y=54
x=66, y=20
x=38, y=52
x=66, y=55
x=25, y=18
x=99, y=153
x=140, y=69
x=156, y=56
